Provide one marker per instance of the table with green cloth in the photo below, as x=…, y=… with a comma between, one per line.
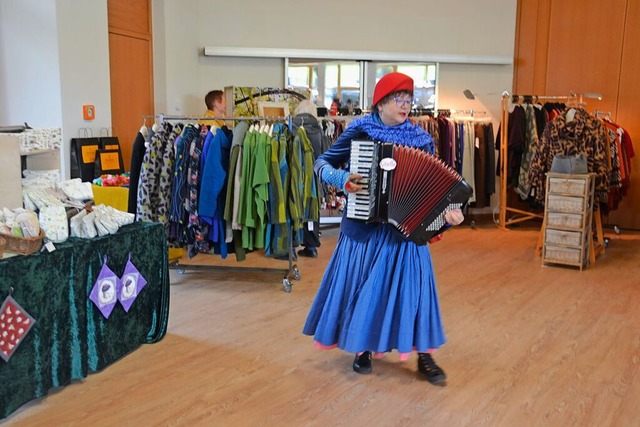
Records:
x=70, y=337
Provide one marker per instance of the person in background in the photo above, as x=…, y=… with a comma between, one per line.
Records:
x=216, y=107
x=349, y=106
x=306, y=116
x=335, y=106
x=378, y=292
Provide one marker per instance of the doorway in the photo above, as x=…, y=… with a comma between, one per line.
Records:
x=131, y=69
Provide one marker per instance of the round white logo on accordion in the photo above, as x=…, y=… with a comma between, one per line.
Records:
x=388, y=164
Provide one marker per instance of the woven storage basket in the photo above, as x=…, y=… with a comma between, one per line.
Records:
x=558, y=219
x=558, y=253
x=2, y=245
x=561, y=237
x=23, y=245
x=567, y=186
x=565, y=203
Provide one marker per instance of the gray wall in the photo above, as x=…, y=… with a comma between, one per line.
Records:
x=465, y=28
x=54, y=58
x=29, y=64
x=54, y=54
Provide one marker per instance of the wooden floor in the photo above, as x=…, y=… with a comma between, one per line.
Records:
x=527, y=346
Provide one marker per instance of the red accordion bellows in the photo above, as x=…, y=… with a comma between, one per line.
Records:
x=406, y=187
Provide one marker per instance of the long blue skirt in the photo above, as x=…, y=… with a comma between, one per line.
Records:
x=378, y=295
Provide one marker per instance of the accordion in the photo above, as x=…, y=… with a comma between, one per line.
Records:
x=405, y=187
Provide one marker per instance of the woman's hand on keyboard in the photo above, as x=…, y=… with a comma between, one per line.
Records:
x=454, y=216
x=351, y=186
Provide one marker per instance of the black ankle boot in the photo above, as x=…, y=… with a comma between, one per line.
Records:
x=428, y=367
x=362, y=363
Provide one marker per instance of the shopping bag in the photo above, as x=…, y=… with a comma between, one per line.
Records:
x=83, y=155
x=108, y=162
x=110, y=143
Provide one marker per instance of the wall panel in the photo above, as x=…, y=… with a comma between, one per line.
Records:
x=129, y=15
x=628, y=114
x=532, y=43
x=584, y=46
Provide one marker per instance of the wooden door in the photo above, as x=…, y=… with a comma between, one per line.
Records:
x=130, y=59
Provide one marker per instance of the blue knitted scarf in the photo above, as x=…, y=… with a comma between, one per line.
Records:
x=405, y=133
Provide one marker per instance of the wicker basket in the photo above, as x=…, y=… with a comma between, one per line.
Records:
x=565, y=203
x=2, y=245
x=560, y=254
x=557, y=219
x=23, y=245
x=562, y=237
x=567, y=186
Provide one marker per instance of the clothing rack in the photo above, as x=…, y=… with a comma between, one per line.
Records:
x=238, y=118
x=598, y=243
x=335, y=219
x=504, y=141
x=337, y=118
x=444, y=111
x=162, y=117
x=601, y=114
x=416, y=112
x=467, y=112
x=292, y=272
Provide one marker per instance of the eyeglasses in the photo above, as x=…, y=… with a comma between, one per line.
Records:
x=402, y=102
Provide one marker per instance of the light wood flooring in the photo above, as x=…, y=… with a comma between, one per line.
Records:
x=528, y=345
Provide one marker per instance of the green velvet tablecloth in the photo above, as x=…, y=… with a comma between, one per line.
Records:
x=71, y=338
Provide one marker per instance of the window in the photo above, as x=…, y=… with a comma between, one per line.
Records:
x=424, y=79
x=342, y=82
x=328, y=80
x=299, y=76
x=303, y=77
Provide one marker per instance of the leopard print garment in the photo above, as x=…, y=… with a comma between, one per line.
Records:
x=164, y=178
x=148, y=185
x=584, y=134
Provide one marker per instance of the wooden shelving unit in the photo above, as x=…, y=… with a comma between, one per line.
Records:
x=568, y=217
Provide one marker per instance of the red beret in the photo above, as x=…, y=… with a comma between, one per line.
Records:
x=392, y=82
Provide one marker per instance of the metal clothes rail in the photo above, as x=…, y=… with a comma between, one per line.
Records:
x=292, y=272
x=162, y=117
x=470, y=113
x=598, y=242
x=504, y=157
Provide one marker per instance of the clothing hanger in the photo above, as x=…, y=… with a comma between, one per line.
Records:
x=143, y=129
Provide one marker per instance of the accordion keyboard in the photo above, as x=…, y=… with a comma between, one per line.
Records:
x=360, y=204
x=439, y=222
